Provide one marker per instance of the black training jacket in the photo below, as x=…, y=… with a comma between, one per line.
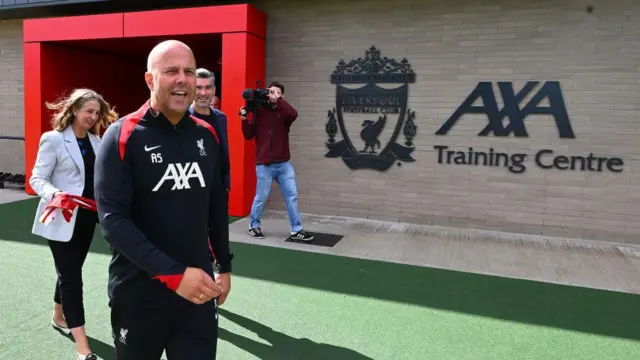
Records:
x=161, y=203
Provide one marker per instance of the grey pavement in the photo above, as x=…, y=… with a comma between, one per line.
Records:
x=12, y=194
x=556, y=260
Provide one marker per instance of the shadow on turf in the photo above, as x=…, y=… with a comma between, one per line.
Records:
x=103, y=350
x=282, y=346
x=585, y=310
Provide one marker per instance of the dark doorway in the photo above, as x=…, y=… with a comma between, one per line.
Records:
x=115, y=67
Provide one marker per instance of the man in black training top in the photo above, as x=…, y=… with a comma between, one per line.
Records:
x=163, y=209
x=202, y=109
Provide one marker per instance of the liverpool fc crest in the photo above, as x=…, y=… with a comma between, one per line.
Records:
x=366, y=112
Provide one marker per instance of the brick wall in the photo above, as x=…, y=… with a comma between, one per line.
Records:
x=11, y=96
x=452, y=46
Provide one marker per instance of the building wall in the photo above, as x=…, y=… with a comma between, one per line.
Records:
x=11, y=96
x=452, y=46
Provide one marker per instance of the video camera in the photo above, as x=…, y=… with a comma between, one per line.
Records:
x=255, y=98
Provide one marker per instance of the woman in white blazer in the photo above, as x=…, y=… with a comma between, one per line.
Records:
x=64, y=164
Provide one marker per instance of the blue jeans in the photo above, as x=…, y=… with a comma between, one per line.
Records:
x=284, y=174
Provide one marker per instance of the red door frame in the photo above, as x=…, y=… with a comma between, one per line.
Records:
x=243, y=29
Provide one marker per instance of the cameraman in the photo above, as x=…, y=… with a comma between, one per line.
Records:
x=270, y=127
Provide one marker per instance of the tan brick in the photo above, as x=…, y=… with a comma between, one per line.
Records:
x=11, y=96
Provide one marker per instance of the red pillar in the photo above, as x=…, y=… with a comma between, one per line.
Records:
x=240, y=71
x=33, y=107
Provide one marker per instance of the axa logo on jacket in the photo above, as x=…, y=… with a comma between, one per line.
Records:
x=180, y=175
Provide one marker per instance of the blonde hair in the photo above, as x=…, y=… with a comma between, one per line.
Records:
x=64, y=108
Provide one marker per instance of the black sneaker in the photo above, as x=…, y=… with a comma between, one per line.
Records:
x=302, y=236
x=256, y=233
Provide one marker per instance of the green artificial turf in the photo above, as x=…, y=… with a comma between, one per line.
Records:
x=289, y=304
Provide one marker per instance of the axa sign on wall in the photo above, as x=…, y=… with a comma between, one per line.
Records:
x=360, y=99
x=515, y=112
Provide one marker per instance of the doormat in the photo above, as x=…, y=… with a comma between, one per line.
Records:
x=320, y=239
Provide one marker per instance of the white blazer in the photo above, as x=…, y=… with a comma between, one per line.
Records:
x=59, y=167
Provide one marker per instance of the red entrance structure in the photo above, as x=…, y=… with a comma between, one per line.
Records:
x=108, y=54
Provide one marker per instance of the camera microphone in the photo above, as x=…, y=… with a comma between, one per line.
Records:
x=246, y=94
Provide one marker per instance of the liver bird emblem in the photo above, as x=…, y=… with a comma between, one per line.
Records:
x=370, y=133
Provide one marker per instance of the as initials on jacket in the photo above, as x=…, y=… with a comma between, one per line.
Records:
x=180, y=174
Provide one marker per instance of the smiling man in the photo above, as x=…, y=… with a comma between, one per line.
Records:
x=202, y=109
x=160, y=198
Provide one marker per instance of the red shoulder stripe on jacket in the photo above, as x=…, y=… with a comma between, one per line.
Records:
x=128, y=125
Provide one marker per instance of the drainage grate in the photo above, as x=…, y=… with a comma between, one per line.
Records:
x=320, y=239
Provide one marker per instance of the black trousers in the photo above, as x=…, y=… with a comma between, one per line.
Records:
x=69, y=258
x=144, y=332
